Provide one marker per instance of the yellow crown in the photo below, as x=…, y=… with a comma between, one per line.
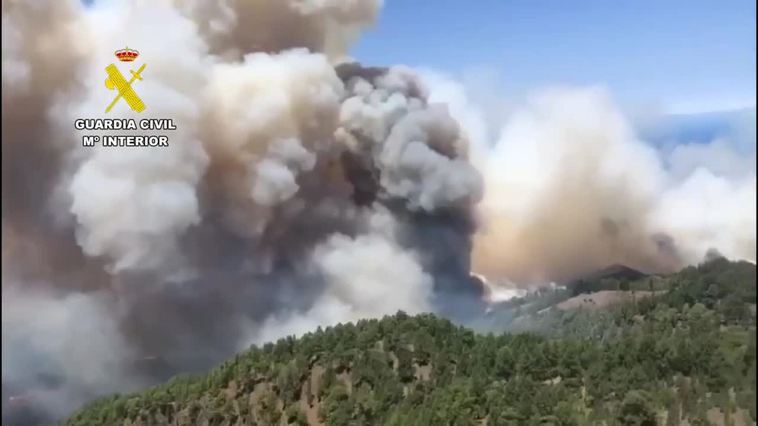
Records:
x=127, y=55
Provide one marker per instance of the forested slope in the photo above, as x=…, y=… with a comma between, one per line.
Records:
x=684, y=356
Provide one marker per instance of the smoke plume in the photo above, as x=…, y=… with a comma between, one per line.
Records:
x=299, y=189
x=571, y=188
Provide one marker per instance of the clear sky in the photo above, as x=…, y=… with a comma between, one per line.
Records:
x=688, y=55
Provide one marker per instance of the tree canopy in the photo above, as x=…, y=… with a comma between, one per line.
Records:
x=686, y=353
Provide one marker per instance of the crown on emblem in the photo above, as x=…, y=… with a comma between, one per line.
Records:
x=127, y=55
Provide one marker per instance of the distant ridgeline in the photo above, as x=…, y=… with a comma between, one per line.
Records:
x=615, y=277
x=683, y=354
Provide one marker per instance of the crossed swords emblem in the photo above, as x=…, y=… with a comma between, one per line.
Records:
x=117, y=81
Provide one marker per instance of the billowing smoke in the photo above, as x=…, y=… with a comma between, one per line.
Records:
x=299, y=189
x=571, y=187
x=366, y=276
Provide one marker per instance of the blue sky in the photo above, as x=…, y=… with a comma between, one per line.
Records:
x=688, y=56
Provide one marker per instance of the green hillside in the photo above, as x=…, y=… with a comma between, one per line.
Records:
x=683, y=356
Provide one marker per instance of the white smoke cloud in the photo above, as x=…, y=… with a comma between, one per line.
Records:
x=237, y=26
x=719, y=156
x=706, y=211
x=367, y=276
x=72, y=338
x=133, y=204
x=265, y=118
x=570, y=188
x=276, y=174
x=474, y=103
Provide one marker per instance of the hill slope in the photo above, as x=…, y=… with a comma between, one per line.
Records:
x=686, y=355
